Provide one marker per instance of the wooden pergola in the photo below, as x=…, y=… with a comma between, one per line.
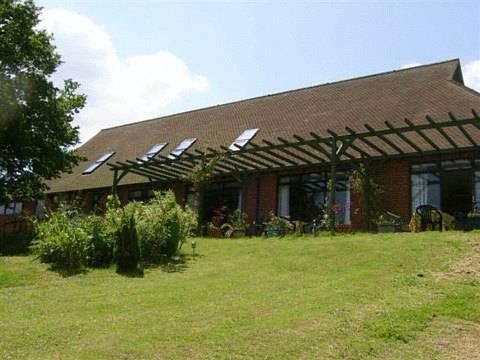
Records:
x=431, y=137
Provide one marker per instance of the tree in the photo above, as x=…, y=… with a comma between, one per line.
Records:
x=36, y=131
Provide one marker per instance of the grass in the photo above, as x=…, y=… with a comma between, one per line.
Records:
x=349, y=296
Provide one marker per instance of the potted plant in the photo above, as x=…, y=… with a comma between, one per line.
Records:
x=214, y=231
x=236, y=225
x=386, y=223
x=473, y=219
x=214, y=227
x=277, y=226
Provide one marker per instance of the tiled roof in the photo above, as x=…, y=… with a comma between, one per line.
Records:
x=412, y=93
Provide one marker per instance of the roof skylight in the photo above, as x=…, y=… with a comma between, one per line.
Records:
x=243, y=139
x=181, y=148
x=153, y=151
x=102, y=159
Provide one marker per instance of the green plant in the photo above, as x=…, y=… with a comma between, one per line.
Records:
x=127, y=252
x=448, y=221
x=61, y=239
x=386, y=220
x=163, y=226
x=363, y=184
x=278, y=225
x=475, y=213
x=415, y=223
x=200, y=176
x=299, y=228
x=101, y=241
x=237, y=221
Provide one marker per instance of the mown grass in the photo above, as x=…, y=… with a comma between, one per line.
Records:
x=349, y=296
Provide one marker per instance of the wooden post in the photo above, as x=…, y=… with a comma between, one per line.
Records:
x=115, y=182
x=333, y=182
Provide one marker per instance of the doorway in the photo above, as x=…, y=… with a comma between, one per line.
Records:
x=457, y=192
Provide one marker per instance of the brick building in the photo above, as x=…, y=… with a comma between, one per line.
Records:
x=390, y=118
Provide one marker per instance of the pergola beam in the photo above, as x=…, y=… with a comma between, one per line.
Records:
x=160, y=172
x=462, y=129
x=298, y=147
x=442, y=132
x=403, y=137
x=240, y=161
x=384, y=139
x=301, y=153
x=422, y=135
x=289, y=153
x=275, y=155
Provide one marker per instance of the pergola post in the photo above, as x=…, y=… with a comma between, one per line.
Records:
x=115, y=182
x=333, y=182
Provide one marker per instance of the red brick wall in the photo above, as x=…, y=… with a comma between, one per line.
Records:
x=16, y=223
x=180, y=189
x=394, y=177
x=251, y=198
x=267, y=195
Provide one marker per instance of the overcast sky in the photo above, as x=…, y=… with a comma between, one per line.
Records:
x=142, y=59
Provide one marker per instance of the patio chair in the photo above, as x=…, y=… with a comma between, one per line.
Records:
x=429, y=215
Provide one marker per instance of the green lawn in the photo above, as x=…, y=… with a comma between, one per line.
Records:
x=350, y=296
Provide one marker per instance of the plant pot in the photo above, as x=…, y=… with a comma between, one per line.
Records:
x=343, y=228
x=237, y=233
x=274, y=232
x=214, y=232
x=386, y=228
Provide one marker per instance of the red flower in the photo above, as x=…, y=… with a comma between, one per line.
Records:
x=337, y=208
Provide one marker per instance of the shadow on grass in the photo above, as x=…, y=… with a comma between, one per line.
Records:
x=66, y=271
x=176, y=264
x=136, y=273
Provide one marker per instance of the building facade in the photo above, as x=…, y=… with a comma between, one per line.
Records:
x=407, y=123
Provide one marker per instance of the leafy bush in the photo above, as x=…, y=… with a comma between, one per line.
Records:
x=127, y=252
x=163, y=226
x=61, y=240
x=137, y=231
x=101, y=242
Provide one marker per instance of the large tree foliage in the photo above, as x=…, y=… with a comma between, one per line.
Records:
x=36, y=131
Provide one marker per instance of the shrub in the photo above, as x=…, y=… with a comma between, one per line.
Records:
x=163, y=226
x=61, y=240
x=101, y=242
x=127, y=252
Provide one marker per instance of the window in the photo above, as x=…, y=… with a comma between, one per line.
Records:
x=144, y=195
x=11, y=209
x=181, y=148
x=190, y=198
x=224, y=196
x=243, y=139
x=102, y=159
x=303, y=197
x=425, y=189
x=449, y=165
x=40, y=209
x=153, y=151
